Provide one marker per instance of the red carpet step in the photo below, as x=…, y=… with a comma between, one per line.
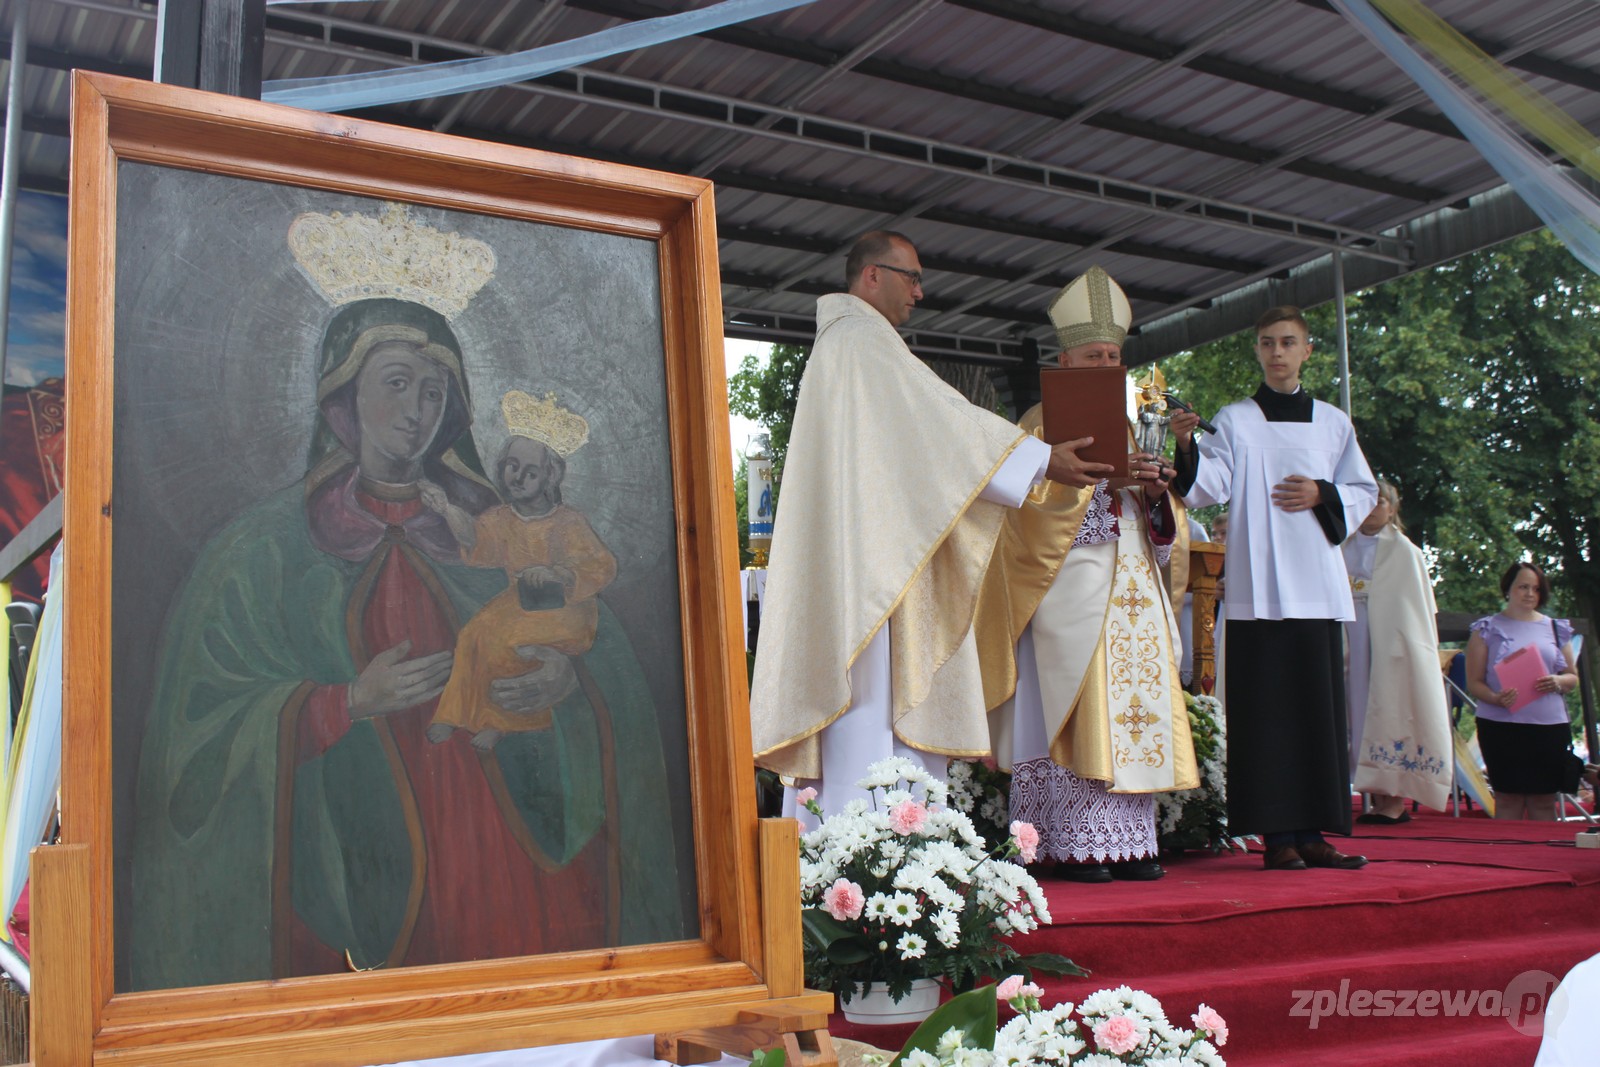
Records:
x=1451, y=916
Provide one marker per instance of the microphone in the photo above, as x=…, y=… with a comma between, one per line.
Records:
x=1181, y=406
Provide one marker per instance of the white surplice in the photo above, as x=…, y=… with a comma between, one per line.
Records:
x=1280, y=564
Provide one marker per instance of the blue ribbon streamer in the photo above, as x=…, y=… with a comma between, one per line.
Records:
x=1570, y=210
x=380, y=87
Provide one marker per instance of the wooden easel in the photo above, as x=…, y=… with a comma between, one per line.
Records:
x=61, y=1006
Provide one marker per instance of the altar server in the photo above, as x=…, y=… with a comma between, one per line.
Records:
x=1297, y=483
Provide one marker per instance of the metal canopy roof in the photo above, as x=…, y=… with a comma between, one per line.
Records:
x=1210, y=154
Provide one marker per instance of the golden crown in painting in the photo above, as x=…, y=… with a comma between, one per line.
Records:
x=360, y=257
x=544, y=420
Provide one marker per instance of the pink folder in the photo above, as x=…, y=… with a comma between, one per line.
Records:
x=1519, y=670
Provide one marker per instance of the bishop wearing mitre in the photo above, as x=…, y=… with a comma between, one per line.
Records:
x=1079, y=643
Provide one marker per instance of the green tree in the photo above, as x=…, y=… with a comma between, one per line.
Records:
x=767, y=394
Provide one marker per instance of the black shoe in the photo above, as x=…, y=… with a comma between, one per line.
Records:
x=1137, y=871
x=1322, y=854
x=1373, y=818
x=1083, y=872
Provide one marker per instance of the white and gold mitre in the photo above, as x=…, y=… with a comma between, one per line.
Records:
x=1092, y=308
x=545, y=421
x=358, y=257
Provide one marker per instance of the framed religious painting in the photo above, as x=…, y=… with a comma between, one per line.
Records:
x=405, y=700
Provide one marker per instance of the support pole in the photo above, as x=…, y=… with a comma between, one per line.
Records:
x=213, y=45
x=1344, y=331
x=11, y=168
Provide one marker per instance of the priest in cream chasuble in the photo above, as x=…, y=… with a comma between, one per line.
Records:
x=1400, y=734
x=893, y=494
x=1079, y=641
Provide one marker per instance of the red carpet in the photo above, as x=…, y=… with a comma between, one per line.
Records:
x=1456, y=909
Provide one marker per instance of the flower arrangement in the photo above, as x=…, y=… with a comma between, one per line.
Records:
x=906, y=889
x=1198, y=818
x=1111, y=1028
x=984, y=793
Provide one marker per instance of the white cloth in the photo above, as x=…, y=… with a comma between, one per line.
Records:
x=1081, y=623
x=1358, y=551
x=1279, y=563
x=1197, y=533
x=1405, y=747
x=864, y=734
x=1572, y=1019
x=617, y=1052
x=1079, y=820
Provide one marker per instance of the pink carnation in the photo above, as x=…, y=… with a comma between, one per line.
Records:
x=1208, y=1020
x=1032, y=990
x=1010, y=989
x=1117, y=1035
x=908, y=817
x=843, y=900
x=1027, y=839
x=805, y=796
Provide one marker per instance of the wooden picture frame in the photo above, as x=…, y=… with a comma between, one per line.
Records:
x=737, y=985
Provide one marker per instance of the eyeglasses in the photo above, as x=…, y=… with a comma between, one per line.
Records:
x=914, y=275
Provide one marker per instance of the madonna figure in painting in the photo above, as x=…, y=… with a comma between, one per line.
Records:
x=293, y=818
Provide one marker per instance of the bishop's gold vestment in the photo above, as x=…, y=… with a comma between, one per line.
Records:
x=1104, y=636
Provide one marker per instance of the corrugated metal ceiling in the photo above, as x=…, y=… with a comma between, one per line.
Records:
x=942, y=119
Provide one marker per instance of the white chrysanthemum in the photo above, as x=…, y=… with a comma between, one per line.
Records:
x=912, y=947
x=947, y=927
x=1205, y=1054
x=919, y=1058
x=877, y=907
x=903, y=910
x=1107, y=1001
x=950, y=1040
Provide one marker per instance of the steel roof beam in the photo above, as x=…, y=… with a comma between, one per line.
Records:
x=1010, y=315
x=1029, y=103
x=888, y=146
x=757, y=324
x=930, y=262
x=1497, y=214
x=1544, y=66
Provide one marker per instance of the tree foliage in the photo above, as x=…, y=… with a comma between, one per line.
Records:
x=767, y=394
x=1474, y=391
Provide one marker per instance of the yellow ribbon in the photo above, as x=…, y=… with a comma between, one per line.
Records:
x=1498, y=85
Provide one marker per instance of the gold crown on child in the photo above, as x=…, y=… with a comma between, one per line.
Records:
x=544, y=420
x=359, y=257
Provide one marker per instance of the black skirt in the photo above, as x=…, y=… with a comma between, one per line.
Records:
x=1524, y=757
x=1288, y=742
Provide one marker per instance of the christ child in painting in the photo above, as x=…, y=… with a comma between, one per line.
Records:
x=552, y=557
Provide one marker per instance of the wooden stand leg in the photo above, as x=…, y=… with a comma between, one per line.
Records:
x=61, y=1005
x=802, y=1034
x=799, y=1029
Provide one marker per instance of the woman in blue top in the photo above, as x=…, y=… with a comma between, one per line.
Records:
x=1522, y=748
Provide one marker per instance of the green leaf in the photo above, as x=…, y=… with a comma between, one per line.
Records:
x=773, y=1057
x=1051, y=963
x=974, y=1013
x=822, y=928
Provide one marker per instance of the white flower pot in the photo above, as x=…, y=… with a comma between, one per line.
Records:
x=875, y=1007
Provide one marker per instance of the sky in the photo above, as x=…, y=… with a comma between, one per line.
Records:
x=741, y=428
x=36, y=332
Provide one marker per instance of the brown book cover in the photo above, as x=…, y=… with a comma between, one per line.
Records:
x=1088, y=402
